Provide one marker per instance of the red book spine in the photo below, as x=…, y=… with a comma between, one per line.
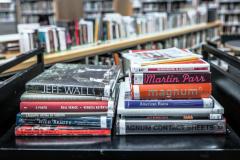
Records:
x=82, y=106
x=31, y=131
x=77, y=33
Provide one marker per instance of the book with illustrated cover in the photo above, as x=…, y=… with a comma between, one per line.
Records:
x=151, y=57
x=76, y=79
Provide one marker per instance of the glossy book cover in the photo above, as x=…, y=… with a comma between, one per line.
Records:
x=76, y=79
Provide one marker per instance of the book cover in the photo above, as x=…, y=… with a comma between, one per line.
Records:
x=171, y=91
x=76, y=79
x=137, y=127
x=38, y=130
x=151, y=57
x=170, y=78
x=74, y=106
x=87, y=121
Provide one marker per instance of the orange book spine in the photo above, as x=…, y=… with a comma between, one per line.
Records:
x=171, y=91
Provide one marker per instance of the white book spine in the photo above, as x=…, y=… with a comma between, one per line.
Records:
x=55, y=40
x=48, y=47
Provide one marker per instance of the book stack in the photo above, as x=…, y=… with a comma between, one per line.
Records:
x=69, y=100
x=168, y=92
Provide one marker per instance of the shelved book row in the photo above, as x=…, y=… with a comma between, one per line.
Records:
x=31, y=10
x=92, y=30
x=229, y=14
x=69, y=100
x=164, y=5
x=7, y=11
x=167, y=92
x=97, y=7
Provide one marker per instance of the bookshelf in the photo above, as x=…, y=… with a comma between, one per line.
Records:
x=8, y=17
x=114, y=45
x=229, y=14
x=33, y=10
x=207, y=2
x=97, y=7
x=164, y=5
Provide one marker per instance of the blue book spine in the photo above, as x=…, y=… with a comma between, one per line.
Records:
x=90, y=122
x=152, y=104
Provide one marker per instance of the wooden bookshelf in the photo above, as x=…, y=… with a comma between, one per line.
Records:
x=113, y=46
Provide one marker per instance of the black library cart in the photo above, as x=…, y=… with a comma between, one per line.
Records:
x=100, y=148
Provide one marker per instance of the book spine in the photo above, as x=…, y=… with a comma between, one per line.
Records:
x=183, y=117
x=171, y=112
x=66, y=90
x=172, y=68
x=50, y=97
x=87, y=106
x=194, y=103
x=109, y=113
x=95, y=122
x=128, y=127
x=43, y=131
x=171, y=78
x=171, y=91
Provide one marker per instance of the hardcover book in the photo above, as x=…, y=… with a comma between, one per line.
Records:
x=58, y=97
x=74, y=106
x=87, y=121
x=173, y=103
x=109, y=113
x=76, y=79
x=39, y=130
x=193, y=66
x=171, y=78
x=137, y=127
x=171, y=91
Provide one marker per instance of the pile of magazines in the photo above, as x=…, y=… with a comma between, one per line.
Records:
x=69, y=100
x=168, y=92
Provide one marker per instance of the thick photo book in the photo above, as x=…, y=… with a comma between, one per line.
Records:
x=76, y=79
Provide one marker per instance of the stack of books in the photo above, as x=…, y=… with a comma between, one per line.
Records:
x=168, y=92
x=69, y=100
